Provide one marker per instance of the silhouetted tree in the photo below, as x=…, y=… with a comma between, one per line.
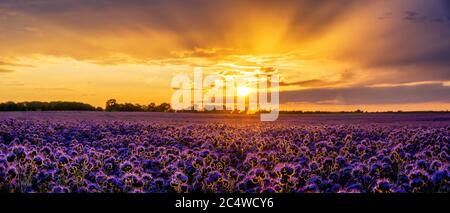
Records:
x=111, y=105
x=46, y=106
x=151, y=107
x=164, y=107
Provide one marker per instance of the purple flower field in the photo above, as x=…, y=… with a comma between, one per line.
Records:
x=167, y=152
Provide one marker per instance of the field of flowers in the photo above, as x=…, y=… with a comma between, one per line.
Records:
x=167, y=152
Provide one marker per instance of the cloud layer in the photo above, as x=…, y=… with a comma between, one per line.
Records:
x=370, y=95
x=326, y=51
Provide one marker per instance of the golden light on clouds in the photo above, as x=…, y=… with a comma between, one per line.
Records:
x=325, y=53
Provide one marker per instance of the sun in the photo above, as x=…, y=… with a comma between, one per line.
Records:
x=243, y=91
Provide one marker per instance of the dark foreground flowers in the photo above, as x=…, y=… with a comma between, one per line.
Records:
x=162, y=156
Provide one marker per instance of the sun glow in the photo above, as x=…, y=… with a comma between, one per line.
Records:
x=243, y=91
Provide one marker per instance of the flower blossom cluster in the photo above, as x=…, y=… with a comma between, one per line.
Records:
x=169, y=156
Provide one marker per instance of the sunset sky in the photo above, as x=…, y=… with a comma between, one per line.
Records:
x=331, y=55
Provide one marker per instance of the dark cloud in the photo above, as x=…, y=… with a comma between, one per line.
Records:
x=5, y=70
x=385, y=16
x=413, y=16
x=345, y=77
x=193, y=23
x=371, y=95
x=3, y=63
x=10, y=64
x=203, y=24
x=413, y=45
x=431, y=58
x=308, y=83
x=416, y=17
x=313, y=17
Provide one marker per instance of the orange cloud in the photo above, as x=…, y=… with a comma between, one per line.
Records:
x=311, y=44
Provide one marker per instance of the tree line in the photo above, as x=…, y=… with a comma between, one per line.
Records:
x=47, y=106
x=112, y=105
